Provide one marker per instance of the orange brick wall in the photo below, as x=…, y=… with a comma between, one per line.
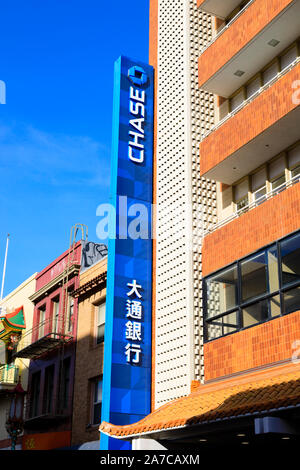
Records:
x=261, y=345
x=243, y=30
x=273, y=104
x=266, y=223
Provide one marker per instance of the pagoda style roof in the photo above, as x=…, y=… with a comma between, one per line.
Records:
x=13, y=322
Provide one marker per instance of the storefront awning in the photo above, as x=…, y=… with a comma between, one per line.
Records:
x=276, y=388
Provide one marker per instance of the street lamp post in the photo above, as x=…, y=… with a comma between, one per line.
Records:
x=15, y=423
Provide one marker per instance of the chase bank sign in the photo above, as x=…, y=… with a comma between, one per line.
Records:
x=126, y=395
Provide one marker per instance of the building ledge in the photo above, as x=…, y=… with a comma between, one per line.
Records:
x=265, y=391
x=75, y=268
x=42, y=346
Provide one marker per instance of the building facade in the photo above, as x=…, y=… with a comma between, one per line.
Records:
x=226, y=288
x=91, y=296
x=50, y=346
x=16, y=318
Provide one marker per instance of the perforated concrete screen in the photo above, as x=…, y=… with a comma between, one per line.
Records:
x=186, y=202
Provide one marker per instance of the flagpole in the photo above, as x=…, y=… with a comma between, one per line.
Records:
x=4, y=267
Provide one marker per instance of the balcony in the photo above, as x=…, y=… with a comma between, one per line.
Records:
x=243, y=48
x=47, y=412
x=252, y=229
x=249, y=207
x=9, y=375
x=219, y=8
x=42, y=339
x=261, y=127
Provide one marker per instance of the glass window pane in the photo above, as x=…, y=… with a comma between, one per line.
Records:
x=253, y=87
x=277, y=168
x=289, y=57
x=270, y=73
x=236, y=100
x=222, y=291
x=97, y=414
x=242, y=204
x=100, y=333
x=296, y=172
x=278, y=183
x=255, y=313
x=294, y=156
x=222, y=326
x=274, y=303
x=290, y=260
x=254, y=279
x=272, y=257
x=241, y=190
x=291, y=300
x=101, y=314
x=230, y=323
x=259, y=179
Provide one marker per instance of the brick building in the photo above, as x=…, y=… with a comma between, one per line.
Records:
x=226, y=316
x=90, y=295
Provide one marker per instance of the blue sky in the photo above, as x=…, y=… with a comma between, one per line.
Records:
x=57, y=61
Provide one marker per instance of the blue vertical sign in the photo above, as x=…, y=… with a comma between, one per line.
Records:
x=126, y=395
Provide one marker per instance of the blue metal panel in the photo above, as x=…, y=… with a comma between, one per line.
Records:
x=127, y=361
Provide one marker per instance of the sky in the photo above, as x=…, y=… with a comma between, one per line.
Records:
x=57, y=59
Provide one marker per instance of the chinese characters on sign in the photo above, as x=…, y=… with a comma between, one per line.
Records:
x=133, y=325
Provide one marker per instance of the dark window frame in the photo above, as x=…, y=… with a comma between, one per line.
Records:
x=254, y=300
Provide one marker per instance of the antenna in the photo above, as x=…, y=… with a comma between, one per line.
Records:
x=4, y=267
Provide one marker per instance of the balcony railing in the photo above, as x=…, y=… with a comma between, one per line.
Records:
x=252, y=97
x=43, y=338
x=223, y=28
x=252, y=205
x=9, y=375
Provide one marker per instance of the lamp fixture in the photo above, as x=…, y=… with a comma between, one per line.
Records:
x=239, y=73
x=273, y=42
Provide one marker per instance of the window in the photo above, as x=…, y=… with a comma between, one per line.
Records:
x=270, y=72
x=254, y=276
x=253, y=87
x=70, y=313
x=241, y=195
x=42, y=316
x=288, y=57
x=277, y=173
x=64, y=384
x=290, y=260
x=222, y=292
x=35, y=394
x=236, y=100
x=100, y=322
x=96, y=400
x=291, y=300
x=55, y=305
x=253, y=290
x=294, y=161
x=48, y=391
x=259, y=185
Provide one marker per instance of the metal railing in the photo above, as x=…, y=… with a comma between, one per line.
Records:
x=49, y=330
x=223, y=28
x=252, y=205
x=252, y=97
x=9, y=374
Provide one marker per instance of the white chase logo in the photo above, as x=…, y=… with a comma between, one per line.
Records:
x=136, y=147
